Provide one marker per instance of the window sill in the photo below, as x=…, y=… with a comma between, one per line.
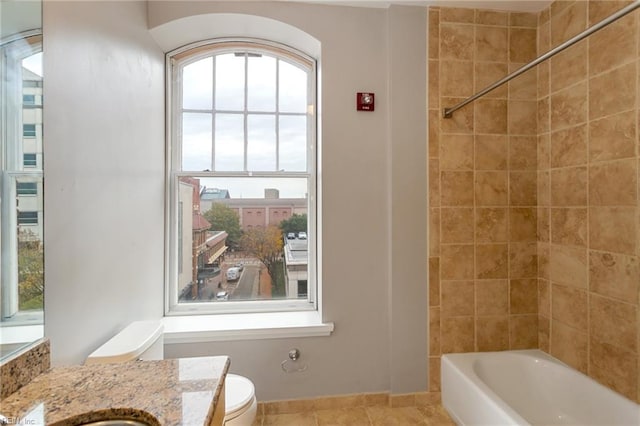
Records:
x=272, y=325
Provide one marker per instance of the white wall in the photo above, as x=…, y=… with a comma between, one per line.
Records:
x=408, y=135
x=103, y=160
x=104, y=177
x=19, y=16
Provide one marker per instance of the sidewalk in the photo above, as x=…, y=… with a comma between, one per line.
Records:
x=265, y=284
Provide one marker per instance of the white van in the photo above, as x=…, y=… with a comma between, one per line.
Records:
x=233, y=274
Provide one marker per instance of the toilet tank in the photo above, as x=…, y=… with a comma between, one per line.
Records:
x=139, y=340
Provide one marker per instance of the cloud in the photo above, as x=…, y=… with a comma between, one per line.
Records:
x=222, y=123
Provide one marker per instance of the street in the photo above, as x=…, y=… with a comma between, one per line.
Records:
x=246, y=288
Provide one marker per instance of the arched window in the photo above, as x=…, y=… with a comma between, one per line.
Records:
x=242, y=120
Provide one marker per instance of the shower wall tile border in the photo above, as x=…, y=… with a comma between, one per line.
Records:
x=419, y=399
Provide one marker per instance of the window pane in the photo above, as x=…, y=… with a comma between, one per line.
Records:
x=196, y=141
x=230, y=82
x=261, y=146
x=293, y=88
x=30, y=267
x=29, y=130
x=28, y=100
x=197, y=85
x=33, y=64
x=229, y=142
x=29, y=160
x=255, y=247
x=26, y=188
x=261, y=82
x=32, y=109
x=28, y=204
x=293, y=143
x=27, y=218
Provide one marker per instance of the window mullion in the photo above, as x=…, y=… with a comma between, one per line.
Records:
x=177, y=113
x=277, y=115
x=213, y=114
x=246, y=111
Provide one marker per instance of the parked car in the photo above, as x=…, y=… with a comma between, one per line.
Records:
x=302, y=235
x=233, y=274
x=222, y=295
x=240, y=266
x=291, y=236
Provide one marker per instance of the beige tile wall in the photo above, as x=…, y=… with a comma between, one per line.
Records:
x=588, y=211
x=534, y=189
x=483, y=185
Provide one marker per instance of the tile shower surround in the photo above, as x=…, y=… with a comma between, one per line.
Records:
x=533, y=189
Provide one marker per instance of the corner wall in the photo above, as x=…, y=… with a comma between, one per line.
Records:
x=408, y=186
x=588, y=193
x=482, y=185
x=104, y=168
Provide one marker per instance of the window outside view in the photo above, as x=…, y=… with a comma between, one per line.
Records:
x=243, y=175
x=22, y=189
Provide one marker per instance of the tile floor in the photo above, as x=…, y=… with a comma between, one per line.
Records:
x=431, y=415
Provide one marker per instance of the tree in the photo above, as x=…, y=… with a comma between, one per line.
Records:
x=223, y=218
x=266, y=244
x=296, y=223
x=30, y=271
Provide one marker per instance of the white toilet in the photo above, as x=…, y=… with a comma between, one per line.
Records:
x=143, y=340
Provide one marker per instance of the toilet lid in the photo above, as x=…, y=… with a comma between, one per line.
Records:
x=129, y=343
x=239, y=393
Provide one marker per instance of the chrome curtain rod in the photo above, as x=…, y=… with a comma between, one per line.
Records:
x=448, y=112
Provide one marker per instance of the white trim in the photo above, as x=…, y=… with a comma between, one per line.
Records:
x=241, y=307
x=180, y=32
x=20, y=333
x=255, y=326
x=11, y=163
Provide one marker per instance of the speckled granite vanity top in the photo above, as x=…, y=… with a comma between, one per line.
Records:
x=181, y=391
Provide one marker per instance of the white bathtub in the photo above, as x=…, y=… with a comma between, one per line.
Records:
x=527, y=387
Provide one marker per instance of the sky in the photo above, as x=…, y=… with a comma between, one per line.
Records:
x=262, y=154
x=33, y=63
x=254, y=188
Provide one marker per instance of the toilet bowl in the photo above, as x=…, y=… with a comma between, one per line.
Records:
x=240, y=401
x=143, y=340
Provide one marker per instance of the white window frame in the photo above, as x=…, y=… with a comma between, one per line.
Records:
x=174, y=60
x=12, y=163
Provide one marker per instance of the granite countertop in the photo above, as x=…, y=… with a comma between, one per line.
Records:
x=181, y=391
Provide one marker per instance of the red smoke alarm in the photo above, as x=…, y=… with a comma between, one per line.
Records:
x=365, y=101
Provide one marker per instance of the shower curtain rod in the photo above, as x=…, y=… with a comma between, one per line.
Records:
x=448, y=112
